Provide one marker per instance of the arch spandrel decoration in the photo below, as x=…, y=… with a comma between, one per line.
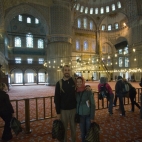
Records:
x=26, y=9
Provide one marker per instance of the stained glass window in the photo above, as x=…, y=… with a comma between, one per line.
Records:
x=29, y=40
x=79, y=23
x=113, y=7
x=119, y=4
x=28, y=20
x=107, y=9
x=82, y=8
x=91, y=10
x=36, y=21
x=17, y=42
x=20, y=17
x=85, y=23
x=40, y=43
x=85, y=45
x=77, y=45
x=86, y=10
x=91, y=25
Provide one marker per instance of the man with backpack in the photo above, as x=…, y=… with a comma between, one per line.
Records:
x=119, y=89
x=106, y=92
x=132, y=95
x=65, y=102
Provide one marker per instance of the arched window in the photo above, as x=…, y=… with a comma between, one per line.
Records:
x=40, y=43
x=103, y=27
x=85, y=45
x=29, y=40
x=85, y=23
x=116, y=26
x=120, y=51
x=82, y=8
x=96, y=10
x=126, y=62
x=77, y=45
x=78, y=5
x=86, y=10
x=120, y=61
x=36, y=21
x=91, y=25
x=17, y=42
x=102, y=10
x=113, y=7
x=118, y=4
x=126, y=50
x=91, y=10
x=28, y=20
x=109, y=28
x=20, y=17
x=107, y=9
x=79, y=23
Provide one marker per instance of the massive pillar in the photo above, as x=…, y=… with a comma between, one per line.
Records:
x=59, y=48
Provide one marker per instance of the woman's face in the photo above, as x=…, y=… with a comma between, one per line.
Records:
x=79, y=82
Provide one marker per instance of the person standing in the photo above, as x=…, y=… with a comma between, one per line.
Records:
x=6, y=112
x=85, y=107
x=118, y=92
x=65, y=102
x=132, y=95
x=103, y=81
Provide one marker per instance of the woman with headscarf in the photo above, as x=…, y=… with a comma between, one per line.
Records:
x=85, y=107
x=6, y=112
x=103, y=82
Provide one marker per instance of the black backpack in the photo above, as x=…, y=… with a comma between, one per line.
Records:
x=93, y=133
x=58, y=130
x=15, y=125
x=103, y=93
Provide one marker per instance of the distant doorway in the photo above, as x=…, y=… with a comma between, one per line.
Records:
x=18, y=77
x=30, y=77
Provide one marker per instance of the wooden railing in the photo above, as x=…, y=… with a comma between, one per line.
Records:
x=41, y=108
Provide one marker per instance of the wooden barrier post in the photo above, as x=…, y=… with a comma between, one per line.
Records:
x=141, y=105
x=27, y=117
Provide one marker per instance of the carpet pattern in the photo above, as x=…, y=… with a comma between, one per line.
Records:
x=114, y=128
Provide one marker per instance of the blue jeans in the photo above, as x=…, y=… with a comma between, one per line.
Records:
x=85, y=123
x=110, y=106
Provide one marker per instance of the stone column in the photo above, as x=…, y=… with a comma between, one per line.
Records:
x=59, y=47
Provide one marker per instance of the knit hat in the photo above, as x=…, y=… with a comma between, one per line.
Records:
x=119, y=77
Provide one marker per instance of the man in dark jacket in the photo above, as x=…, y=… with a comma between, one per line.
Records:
x=118, y=91
x=65, y=102
x=6, y=111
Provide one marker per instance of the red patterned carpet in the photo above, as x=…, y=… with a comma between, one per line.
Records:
x=114, y=128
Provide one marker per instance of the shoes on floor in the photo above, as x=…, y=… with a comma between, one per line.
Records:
x=111, y=113
x=122, y=114
x=113, y=105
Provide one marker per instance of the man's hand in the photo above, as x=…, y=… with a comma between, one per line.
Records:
x=58, y=116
